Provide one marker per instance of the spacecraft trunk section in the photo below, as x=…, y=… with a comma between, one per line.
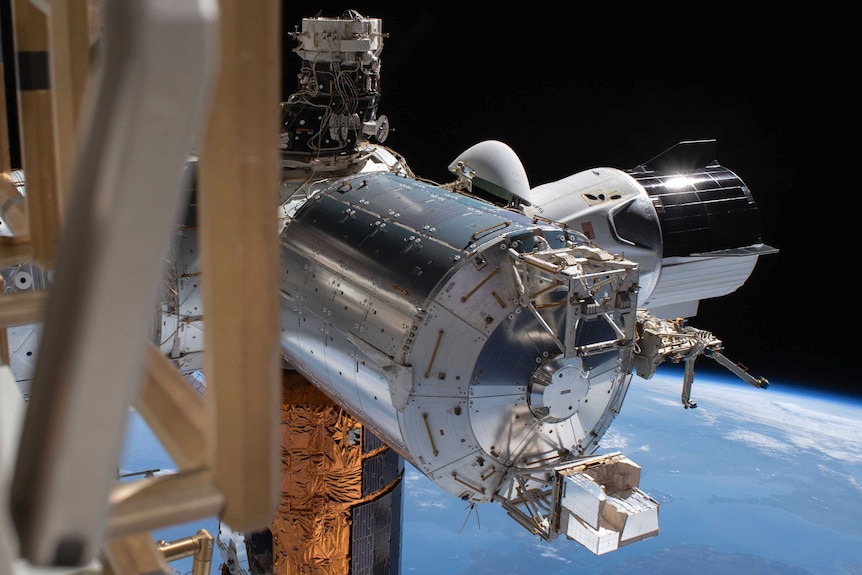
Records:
x=486, y=348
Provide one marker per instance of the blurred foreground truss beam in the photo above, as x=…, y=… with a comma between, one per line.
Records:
x=146, y=108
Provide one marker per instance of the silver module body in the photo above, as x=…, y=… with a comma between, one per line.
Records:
x=484, y=347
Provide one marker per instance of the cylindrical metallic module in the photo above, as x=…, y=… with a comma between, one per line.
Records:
x=479, y=343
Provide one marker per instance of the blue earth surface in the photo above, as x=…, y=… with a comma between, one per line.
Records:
x=750, y=482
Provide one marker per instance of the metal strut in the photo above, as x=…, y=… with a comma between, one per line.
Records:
x=660, y=340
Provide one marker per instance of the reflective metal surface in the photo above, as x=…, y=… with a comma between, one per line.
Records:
x=478, y=343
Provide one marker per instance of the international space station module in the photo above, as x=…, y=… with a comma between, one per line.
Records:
x=486, y=330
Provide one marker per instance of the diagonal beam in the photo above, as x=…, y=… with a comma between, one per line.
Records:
x=173, y=410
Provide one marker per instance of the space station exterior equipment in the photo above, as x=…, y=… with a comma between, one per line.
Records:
x=335, y=106
x=341, y=496
x=601, y=506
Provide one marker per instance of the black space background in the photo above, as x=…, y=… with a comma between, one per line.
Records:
x=607, y=85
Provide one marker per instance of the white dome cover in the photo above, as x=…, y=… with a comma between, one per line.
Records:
x=494, y=162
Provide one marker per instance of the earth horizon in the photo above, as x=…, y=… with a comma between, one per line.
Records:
x=750, y=482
